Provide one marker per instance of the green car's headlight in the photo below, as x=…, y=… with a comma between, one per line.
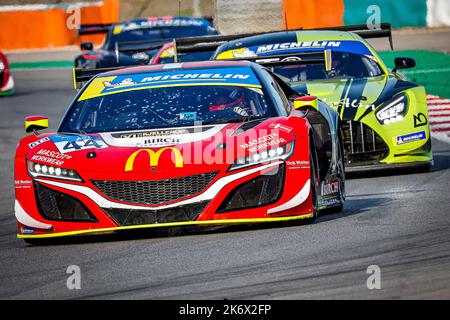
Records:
x=392, y=110
x=43, y=170
x=279, y=153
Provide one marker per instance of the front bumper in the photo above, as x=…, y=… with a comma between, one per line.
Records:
x=367, y=148
x=111, y=215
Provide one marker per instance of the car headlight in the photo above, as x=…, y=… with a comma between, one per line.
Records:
x=393, y=110
x=43, y=170
x=2, y=66
x=279, y=153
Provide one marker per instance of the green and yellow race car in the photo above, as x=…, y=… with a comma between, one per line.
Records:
x=384, y=117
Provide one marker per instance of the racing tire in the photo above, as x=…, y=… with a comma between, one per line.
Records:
x=341, y=175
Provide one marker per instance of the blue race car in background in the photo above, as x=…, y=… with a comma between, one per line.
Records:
x=135, y=42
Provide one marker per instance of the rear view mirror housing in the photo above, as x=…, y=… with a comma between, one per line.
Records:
x=35, y=123
x=87, y=46
x=403, y=63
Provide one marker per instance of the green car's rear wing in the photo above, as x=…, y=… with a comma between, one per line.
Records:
x=383, y=30
x=210, y=43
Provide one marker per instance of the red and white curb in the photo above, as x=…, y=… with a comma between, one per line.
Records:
x=439, y=115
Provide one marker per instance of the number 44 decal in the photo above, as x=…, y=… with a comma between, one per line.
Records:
x=76, y=144
x=83, y=144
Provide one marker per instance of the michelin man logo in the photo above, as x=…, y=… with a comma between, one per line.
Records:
x=123, y=83
x=244, y=53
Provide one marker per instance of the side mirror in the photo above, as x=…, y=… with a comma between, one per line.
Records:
x=86, y=46
x=403, y=63
x=34, y=123
x=306, y=103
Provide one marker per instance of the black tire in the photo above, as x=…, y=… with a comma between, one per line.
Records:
x=314, y=181
x=341, y=174
x=34, y=241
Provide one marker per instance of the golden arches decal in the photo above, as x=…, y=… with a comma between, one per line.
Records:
x=154, y=157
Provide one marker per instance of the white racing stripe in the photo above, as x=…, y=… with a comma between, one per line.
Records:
x=24, y=218
x=297, y=200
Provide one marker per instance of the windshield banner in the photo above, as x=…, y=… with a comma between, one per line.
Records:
x=243, y=77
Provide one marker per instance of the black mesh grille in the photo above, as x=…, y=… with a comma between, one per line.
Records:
x=129, y=217
x=362, y=145
x=260, y=191
x=1, y=79
x=156, y=191
x=54, y=205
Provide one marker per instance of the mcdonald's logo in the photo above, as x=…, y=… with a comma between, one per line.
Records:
x=154, y=157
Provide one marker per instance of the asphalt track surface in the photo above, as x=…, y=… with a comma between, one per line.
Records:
x=400, y=223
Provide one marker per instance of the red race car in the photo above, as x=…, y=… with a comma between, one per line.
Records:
x=199, y=143
x=6, y=79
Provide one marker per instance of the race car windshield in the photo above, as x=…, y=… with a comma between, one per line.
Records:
x=157, y=33
x=344, y=65
x=166, y=107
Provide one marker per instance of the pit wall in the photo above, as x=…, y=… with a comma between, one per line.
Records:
x=47, y=26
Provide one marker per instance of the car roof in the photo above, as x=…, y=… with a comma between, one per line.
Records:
x=177, y=66
x=289, y=36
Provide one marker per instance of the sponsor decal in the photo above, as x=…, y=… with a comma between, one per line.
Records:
x=296, y=45
x=348, y=103
x=154, y=157
x=50, y=157
x=160, y=141
x=330, y=188
x=263, y=143
x=417, y=136
x=188, y=116
x=420, y=120
x=23, y=184
x=298, y=164
x=240, y=111
x=66, y=143
x=284, y=128
x=155, y=133
x=38, y=142
x=328, y=203
x=26, y=230
x=236, y=76
x=353, y=46
x=150, y=23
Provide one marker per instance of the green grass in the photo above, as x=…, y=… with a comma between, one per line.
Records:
x=41, y=65
x=432, y=69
